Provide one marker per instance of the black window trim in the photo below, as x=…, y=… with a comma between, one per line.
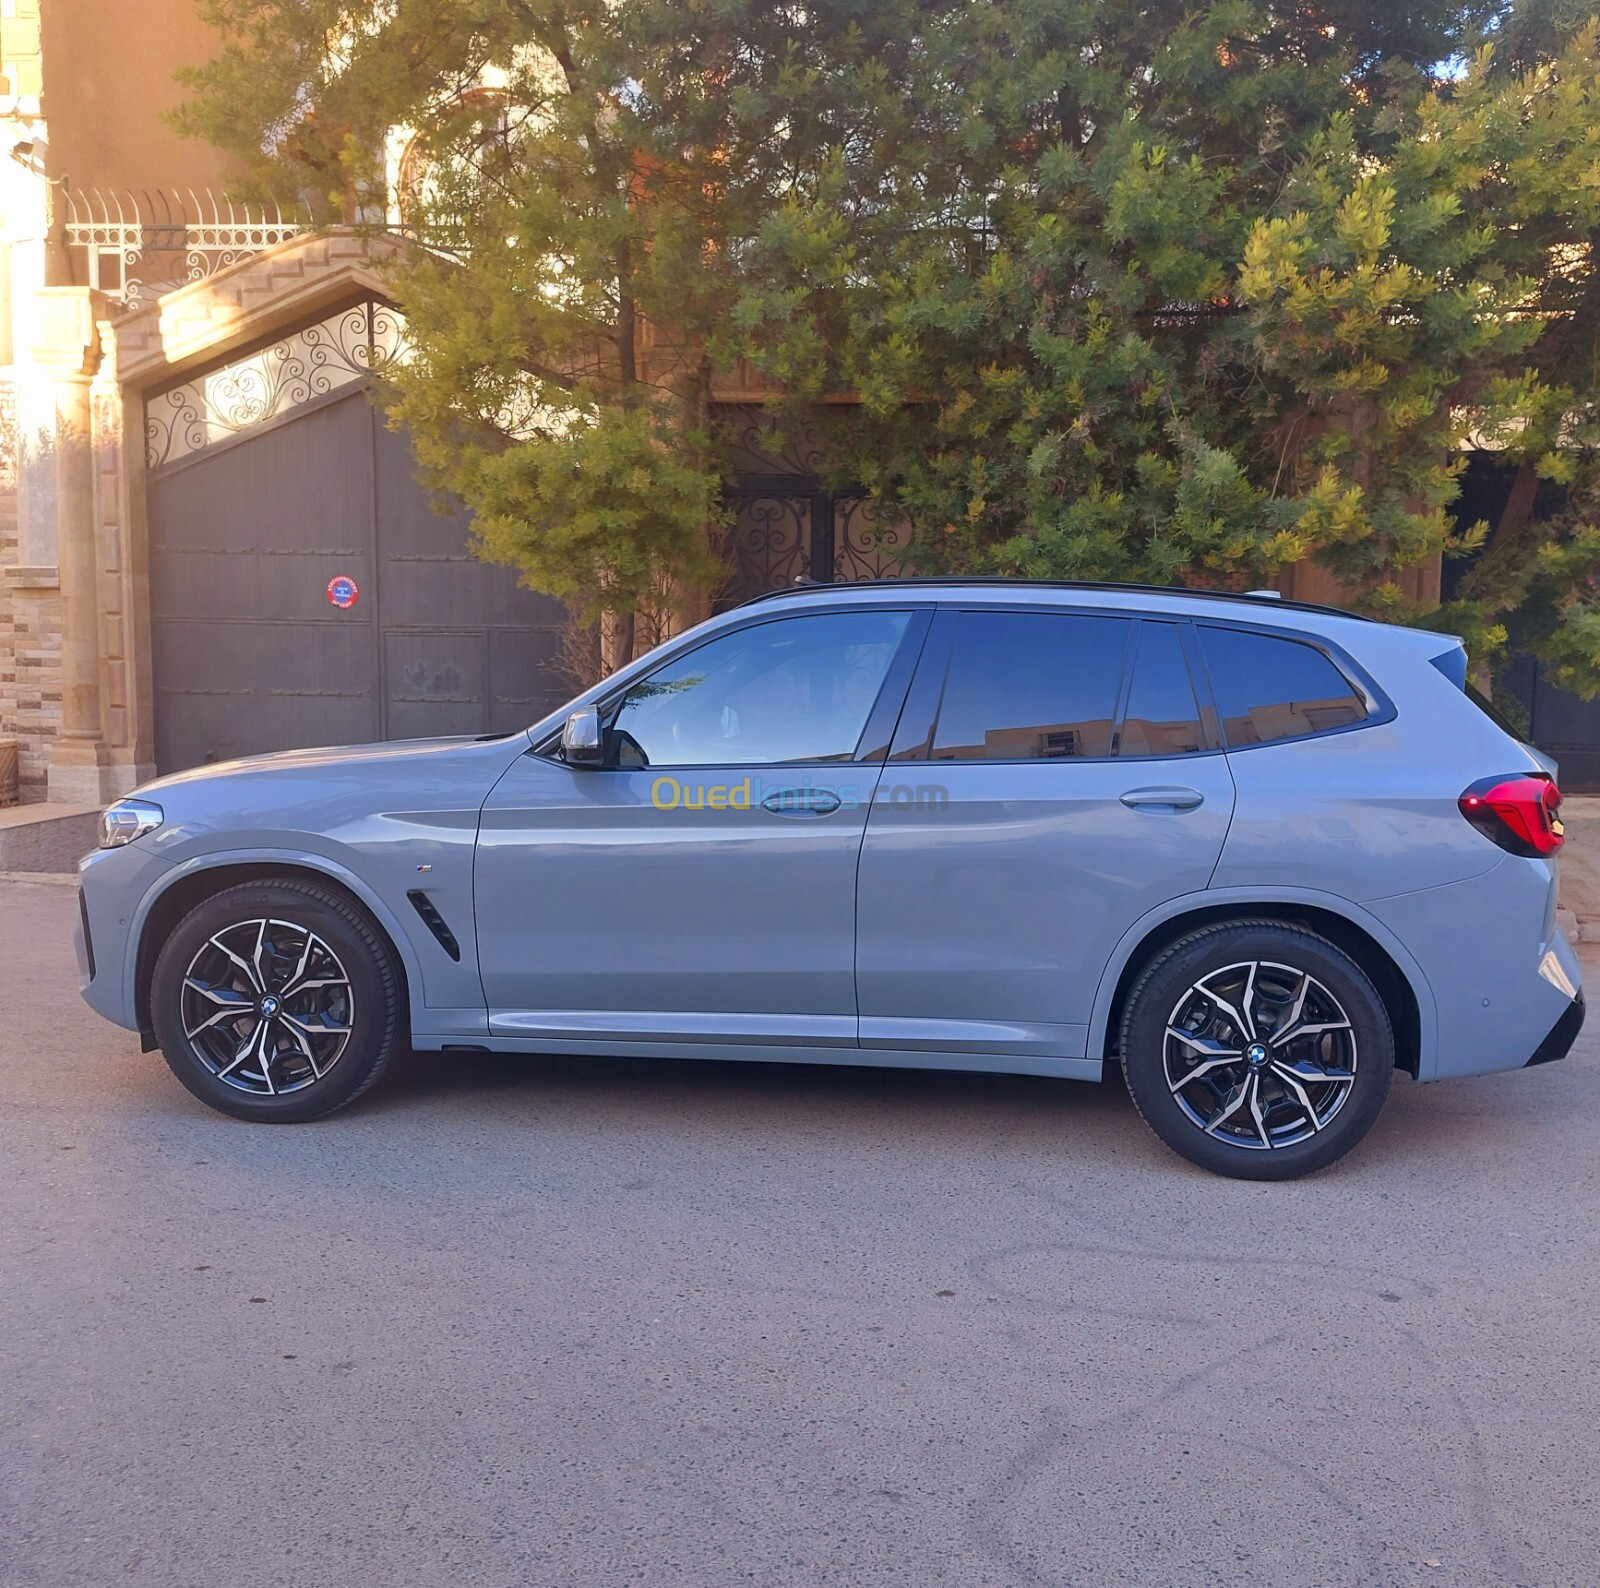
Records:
x=913, y=739
x=900, y=672
x=1211, y=741
x=1200, y=677
x=1380, y=709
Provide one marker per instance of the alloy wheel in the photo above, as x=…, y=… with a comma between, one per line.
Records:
x=1259, y=1055
x=267, y=1006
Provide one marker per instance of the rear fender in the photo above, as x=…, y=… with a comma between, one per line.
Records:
x=1242, y=901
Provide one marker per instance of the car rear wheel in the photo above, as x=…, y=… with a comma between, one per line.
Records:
x=277, y=1001
x=1257, y=1050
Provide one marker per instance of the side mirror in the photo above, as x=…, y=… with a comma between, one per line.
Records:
x=583, y=740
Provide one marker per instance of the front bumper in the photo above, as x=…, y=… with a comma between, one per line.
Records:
x=1558, y=1044
x=112, y=884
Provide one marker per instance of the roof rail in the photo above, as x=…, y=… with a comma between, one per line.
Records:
x=806, y=586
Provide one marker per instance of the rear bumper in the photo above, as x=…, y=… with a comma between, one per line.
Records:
x=1501, y=975
x=1558, y=1044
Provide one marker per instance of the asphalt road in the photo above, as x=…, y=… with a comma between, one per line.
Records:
x=530, y=1322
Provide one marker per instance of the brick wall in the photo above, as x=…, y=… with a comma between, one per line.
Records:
x=30, y=632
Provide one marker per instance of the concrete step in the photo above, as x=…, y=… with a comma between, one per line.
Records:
x=46, y=838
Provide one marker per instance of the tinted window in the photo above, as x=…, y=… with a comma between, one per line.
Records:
x=1162, y=717
x=1030, y=685
x=795, y=689
x=1268, y=688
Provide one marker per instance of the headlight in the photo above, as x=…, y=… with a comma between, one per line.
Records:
x=126, y=820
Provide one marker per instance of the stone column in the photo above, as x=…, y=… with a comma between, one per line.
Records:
x=68, y=351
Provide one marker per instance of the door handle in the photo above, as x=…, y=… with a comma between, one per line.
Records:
x=1163, y=799
x=801, y=802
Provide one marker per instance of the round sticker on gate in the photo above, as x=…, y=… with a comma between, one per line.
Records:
x=342, y=592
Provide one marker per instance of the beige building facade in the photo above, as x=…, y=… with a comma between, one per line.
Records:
x=160, y=348
x=83, y=84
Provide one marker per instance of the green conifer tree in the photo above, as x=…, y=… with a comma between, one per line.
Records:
x=1158, y=292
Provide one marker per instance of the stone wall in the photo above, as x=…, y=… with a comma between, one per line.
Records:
x=30, y=632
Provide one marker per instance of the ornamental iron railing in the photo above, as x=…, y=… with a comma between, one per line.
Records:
x=135, y=246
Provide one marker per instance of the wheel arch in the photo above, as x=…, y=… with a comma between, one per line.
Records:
x=189, y=886
x=1396, y=976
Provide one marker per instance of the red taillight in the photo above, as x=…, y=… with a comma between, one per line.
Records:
x=1520, y=813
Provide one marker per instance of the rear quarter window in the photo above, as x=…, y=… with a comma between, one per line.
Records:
x=1268, y=687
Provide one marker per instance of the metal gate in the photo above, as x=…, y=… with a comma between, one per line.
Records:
x=787, y=527
x=785, y=530
x=304, y=589
x=1560, y=723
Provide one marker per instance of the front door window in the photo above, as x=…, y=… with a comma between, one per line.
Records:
x=796, y=689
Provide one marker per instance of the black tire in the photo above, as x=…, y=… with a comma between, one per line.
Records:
x=1296, y=1099
x=318, y=1047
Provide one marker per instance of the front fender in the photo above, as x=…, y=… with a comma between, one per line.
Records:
x=445, y=998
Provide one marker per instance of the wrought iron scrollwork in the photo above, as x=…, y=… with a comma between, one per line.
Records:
x=761, y=445
x=865, y=545
x=770, y=543
x=780, y=535
x=313, y=362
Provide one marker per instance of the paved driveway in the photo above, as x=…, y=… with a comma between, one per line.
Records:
x=549, y=1322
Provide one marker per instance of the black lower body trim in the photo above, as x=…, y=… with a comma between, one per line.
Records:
x=1562, y=1035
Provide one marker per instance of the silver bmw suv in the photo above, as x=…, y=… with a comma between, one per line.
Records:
x=1256, y=854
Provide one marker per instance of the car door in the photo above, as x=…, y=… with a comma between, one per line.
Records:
x=1053, y=779
x=699, y=886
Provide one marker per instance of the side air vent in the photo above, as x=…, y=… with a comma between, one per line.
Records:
x=436, y=923
x=88, y=936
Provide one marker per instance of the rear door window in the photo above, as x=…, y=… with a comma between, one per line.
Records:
x=1267, y=687
x=1025, y=686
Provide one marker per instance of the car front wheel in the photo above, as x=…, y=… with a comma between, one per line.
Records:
x=1257, y=1050
x=277, y=1001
